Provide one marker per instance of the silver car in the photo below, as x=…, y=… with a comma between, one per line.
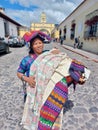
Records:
x=16, y=41
x=4, y=47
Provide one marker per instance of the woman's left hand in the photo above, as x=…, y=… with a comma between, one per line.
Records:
x=55, y=51
x=81, y=80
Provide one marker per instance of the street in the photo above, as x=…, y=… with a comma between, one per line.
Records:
x=81, y=115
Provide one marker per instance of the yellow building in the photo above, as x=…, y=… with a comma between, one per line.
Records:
x=83, y=22
x=55, y=33
x=43, y=25
x=23, y=30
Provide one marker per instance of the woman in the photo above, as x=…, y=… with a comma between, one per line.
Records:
x=44, y=104
x=36, y=48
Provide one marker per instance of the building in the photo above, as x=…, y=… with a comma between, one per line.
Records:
x=43, y=25
x=8, y=25
x=55, y=33
x=23, y=30
x=83, y=22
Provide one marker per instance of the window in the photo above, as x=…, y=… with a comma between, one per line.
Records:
x=64, y=31
x=93, y=30
x=72, y=30
x=60, y=33
x=91, y=25
x=6, y=28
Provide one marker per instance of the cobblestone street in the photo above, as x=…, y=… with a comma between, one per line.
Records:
x=80, y=114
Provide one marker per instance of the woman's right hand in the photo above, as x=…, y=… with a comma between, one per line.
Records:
x=31, y=81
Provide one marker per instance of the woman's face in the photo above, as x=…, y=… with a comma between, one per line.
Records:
x=37, y=46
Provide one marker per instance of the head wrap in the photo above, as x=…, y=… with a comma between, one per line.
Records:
x=28, y=36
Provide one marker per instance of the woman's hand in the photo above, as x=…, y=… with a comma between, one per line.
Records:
x=31, y=81
x=82, y=80
x=55, y=51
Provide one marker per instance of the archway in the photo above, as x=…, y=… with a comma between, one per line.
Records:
x=45, y=31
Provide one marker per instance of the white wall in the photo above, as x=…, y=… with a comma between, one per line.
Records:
x=2, y=32
x=79, y=15
x=12, y=29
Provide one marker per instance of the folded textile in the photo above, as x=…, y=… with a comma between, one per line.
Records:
x=44, y=104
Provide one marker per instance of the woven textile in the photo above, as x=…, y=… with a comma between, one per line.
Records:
x=76, y=69
x=44, y=104
x=25, y=64
x=53, y=105
x=34, y=102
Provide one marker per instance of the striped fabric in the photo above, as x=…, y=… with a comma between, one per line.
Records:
x=53, y=105
x=76, y=69
x=34, y=102
x=44, y=104
x=25, y=64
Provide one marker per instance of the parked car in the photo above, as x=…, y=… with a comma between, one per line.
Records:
x=16, y=41
x=47, y=40
x=4, y=47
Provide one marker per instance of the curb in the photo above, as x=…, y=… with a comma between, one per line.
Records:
x=81, y=54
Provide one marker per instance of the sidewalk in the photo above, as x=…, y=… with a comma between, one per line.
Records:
x=81, y=52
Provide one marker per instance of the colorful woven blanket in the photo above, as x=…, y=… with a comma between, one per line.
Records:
x=53, y=105
x=34, y=101
x=44, y=104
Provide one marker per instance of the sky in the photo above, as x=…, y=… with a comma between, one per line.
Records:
x=26, y=12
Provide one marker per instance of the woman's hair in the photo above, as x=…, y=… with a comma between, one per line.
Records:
x=31, y=51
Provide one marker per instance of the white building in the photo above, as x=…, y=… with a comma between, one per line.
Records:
x=83, y=22
x=7, y=25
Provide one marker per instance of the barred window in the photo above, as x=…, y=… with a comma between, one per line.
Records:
x=91, y=25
